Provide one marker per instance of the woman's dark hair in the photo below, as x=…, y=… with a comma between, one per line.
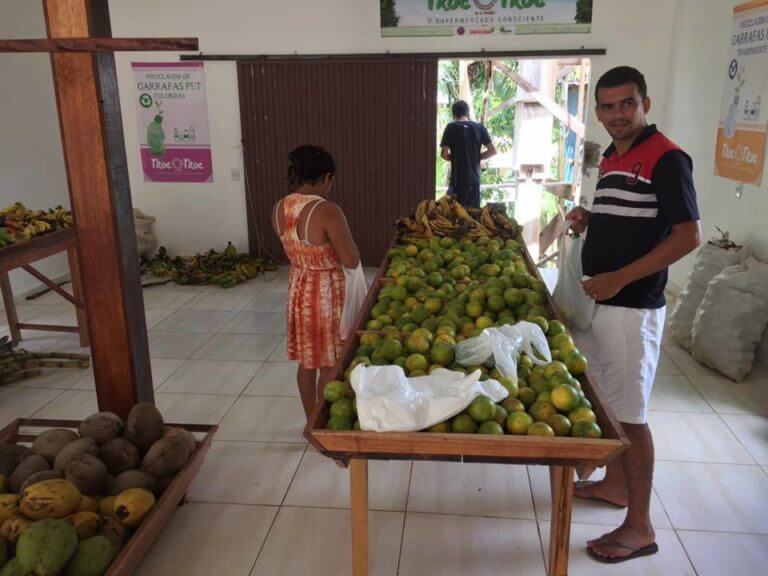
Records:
x=619, y=76
x=460, y=109
x=308, y=165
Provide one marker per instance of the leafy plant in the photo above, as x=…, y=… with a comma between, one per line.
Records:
x=389, y=17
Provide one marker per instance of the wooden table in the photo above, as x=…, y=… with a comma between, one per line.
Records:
x=563, y=455
x=22, y=255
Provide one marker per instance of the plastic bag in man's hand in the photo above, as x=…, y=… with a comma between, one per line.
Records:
x=569, y=296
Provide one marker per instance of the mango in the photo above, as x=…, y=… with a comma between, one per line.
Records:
x=12, y=568
x=86, y=524
x=132, y=505
x=114, y=531
x=92, y=557
x=89, y=504
x=45, y=547
x=9, y=506
x=12, y=528
x=50, y=499
x=107, y=507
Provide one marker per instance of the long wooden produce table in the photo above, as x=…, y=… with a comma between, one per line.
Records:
x=563, y=455
x=22, y=255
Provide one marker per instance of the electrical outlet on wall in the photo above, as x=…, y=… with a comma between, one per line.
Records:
x=235, y=174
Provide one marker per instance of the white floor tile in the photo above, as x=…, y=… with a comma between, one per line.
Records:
x=56, y=378
x=462, y=545
x=670, y=560
x=715, y=553
x=588, y=511
x=154, y=316
x=207, y=539
x=256, y=323
x=211, y=377
x=316, y=542
x=716, y=496
x=244, y=347
x=166, y=298
x=268, y=300
x=70, y=405
x=246, y=473
x=676, y=394
x=667, y=366
x=162, y=368
x=193, y=408
x=274, y=379
x=176, y=345
x=264, y=419
x=495, y=490
x=321, y=483
x=23, y=402
x=61, y=314
x=727, y=397
x=695, y=438
x=752, y=431
x=224, y=300
x=38, y=341
x=195, y=321
x=281, y=353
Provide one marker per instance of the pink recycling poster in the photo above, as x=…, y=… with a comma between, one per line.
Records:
x=172, y=113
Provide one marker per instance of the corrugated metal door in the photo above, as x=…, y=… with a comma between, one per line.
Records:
x=377, y=118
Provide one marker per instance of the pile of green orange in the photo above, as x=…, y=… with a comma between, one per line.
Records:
x=441, y=292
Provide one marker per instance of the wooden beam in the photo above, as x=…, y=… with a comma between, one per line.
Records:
x=99, y=45
x=571, y=122
x=104, y=224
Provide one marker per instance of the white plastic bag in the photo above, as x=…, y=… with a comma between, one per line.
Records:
x=503, y=345
x=355, y=290
x=569, y=296
x=710, y=261
x=145, y=238
x=388, y=401
x=731, y=319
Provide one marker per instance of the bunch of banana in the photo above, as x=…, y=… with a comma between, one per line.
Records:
x=447, y=217
x=225, y=269
x=20, y=224
x=5, y=238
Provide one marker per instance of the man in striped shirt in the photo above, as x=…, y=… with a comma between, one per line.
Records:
x=643, y=218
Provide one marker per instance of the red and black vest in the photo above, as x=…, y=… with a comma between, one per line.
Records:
x=639, y=196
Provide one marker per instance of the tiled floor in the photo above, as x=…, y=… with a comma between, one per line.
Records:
x=266, y=503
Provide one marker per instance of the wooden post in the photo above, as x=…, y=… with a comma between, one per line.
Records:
x=77, y=292
x=102, y=209
x=561, y=485
x=358, y=494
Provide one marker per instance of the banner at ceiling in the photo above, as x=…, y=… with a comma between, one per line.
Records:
x=743, y=128
x=484, y=17
x=172, y=113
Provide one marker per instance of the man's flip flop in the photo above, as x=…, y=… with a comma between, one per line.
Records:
x=584, y=484
x=635, y=552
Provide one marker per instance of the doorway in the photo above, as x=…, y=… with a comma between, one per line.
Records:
x=535, y=111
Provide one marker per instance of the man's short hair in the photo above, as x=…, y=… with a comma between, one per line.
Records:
x=620, y=76
x=460, y=109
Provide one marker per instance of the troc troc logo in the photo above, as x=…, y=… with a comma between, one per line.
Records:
x=176, y=164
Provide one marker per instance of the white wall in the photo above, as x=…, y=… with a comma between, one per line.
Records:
x=200, y=216
x=31, y=160
x=699, y=58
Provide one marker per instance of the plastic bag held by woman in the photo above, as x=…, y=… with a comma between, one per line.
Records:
x=577, y=308
x=355, y=291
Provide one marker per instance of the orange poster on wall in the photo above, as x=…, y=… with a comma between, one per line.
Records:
x=743, y=128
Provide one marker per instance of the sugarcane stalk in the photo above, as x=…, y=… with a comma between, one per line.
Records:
x=19, y=376
x=60, y=355
x=54, y=364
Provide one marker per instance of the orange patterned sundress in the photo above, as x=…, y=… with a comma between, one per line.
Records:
x=315, y=293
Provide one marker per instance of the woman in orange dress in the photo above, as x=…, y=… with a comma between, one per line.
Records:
x=317, y=241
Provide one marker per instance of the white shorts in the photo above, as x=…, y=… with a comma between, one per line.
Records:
x=622, y=348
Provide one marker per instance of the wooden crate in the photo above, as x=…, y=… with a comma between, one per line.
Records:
x=25, y=431
x=580, y=452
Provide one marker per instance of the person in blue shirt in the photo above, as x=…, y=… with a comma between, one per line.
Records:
x=462, y=145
